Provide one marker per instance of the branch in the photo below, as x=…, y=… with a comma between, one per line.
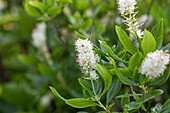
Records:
x=3, y=71
x=61, y=40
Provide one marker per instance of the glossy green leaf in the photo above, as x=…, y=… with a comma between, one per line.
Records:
x=125, y=40
x=148, y=42
x=56, y=93
x=80, y=36
x=165, y=106
x=125, y=71
x=133, y=107
x=128, y=95
x=158, y=33
x=157, y=92
x=162, y=79
x=32, y=11
x=148, y=96
x=111, y=54
x=122, y=78
x=135, y=61
x=38, y=5
x=52, y=11
x=80, y=103
x=85, y=85
x=106, y=76
x=114, y=89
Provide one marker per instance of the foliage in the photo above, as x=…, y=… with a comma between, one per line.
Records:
x=27, y=72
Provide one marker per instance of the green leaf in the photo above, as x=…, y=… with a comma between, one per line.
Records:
x=122, y=78
x=133, y=107
x=148, y=96
x=100, y=53
x=114, y=89
x=111, y=54
x=125, y=101
x=45, y=70
x=157, y=92
x=145, y=98
x=80, y=36
x=106, y=76
x=165, y=106
x=135, y=61
x=110, y=106
x=162, y=79
x=57, y=94
x=136, y=75
x=125, y=71
x=148, y=42
x=158, y=33
x=9, y=18
x=28, y=60
x=141, y=105
x=167, y=47
x=125, y=41
x=80, y=103
x=52, y=11
x=38, y=5
x=32, y=11
x=85, y=85
x=86, y=93
x=128, y=95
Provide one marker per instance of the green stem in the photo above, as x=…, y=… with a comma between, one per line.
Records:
x=144, y=88
x=97, y=99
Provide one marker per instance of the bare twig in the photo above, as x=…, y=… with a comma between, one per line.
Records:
x=148, y=106
x=61, y=40
x=3, y=71
x=131, y=88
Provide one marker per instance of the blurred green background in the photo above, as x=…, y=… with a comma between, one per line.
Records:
x=25, y=75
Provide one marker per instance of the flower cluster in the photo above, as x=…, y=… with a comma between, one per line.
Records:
x=39, y=35
x=127, y=10
x=86, y=57
x=155, y=63
x=127, y=6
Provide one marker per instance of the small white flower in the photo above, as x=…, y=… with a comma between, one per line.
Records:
x=139, y=33
x=93, y=75
x=39, y=35
x=155, y=64
x=87, y=58
x=126, y=6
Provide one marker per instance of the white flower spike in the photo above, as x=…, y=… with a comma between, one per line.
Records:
x=155, y=64
x=127, y=10
x=126, y=6
x=87, y=58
